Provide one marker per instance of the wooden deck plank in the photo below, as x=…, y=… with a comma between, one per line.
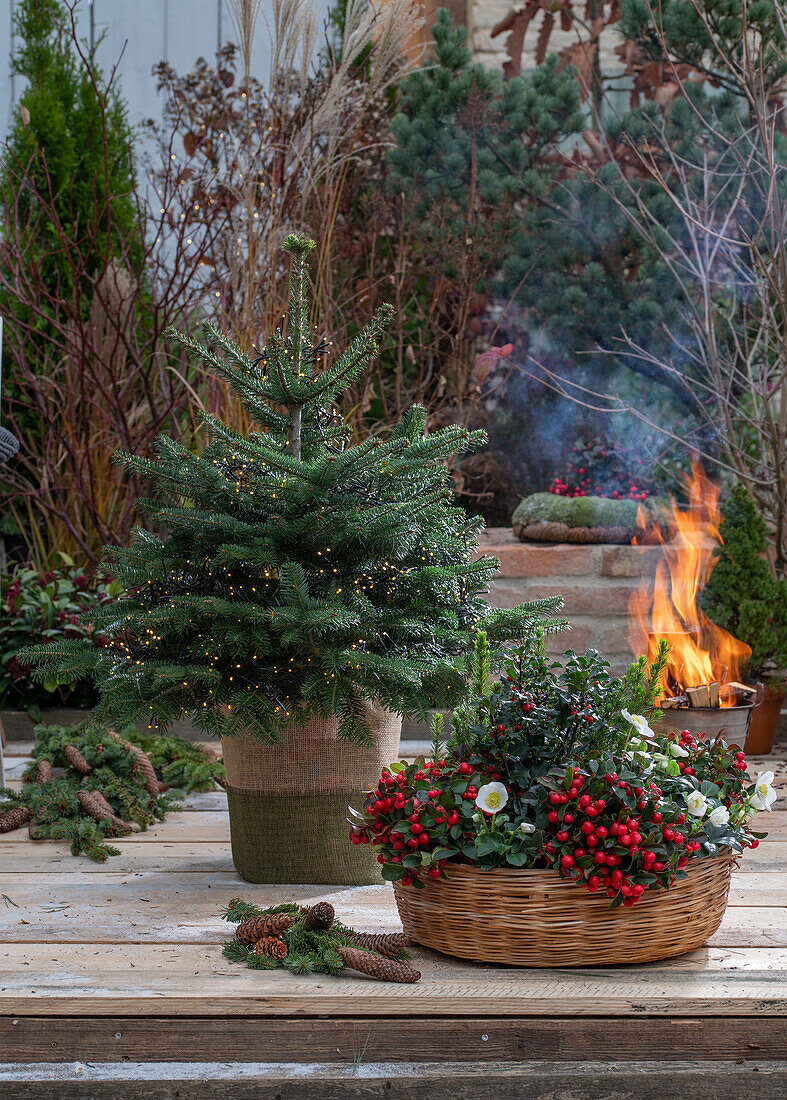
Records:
x=34, y=1039
x=203, y=856
x=451, y=1080
x=86, y=980
x=104, y=958
x=199, y=857
x=174, y=906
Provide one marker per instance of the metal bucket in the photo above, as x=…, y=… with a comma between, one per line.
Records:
x=731, y=722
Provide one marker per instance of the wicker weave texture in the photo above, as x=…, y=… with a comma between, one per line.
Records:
x=535, y=918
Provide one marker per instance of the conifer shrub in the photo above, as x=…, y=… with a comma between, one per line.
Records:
x=742, y=594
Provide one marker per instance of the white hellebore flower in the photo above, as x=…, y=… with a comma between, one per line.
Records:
x=764, y=795
x=677, y=750
x=491, y=798
x=719, y=816
x=527, y=827
x=696, y=804
x=639, y=723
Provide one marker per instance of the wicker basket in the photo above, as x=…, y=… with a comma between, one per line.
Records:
x=535, y=918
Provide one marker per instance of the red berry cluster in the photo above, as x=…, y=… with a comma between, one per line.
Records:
x=600, y=468
x=602, y=823
x=418, y=816
x=614, y=835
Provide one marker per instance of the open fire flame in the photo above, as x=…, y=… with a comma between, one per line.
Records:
x=701, y=652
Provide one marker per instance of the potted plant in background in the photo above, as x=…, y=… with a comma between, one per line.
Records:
x=46, y=607
x=306, y=594
x=744, y=596
x=556, y=810
x=602, y=497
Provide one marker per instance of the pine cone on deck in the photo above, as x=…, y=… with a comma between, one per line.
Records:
x=14, y=818
x=269, y=924
x=43, y=771
x=319, y=918
x=387, y=944
x=76, y=759
x=387, y=970
x=142, y=765
x=270, y=947
x=96, y=806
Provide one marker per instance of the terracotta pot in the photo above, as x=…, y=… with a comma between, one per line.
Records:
x=764, y=721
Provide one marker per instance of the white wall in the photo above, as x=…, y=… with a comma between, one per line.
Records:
x=141, y=33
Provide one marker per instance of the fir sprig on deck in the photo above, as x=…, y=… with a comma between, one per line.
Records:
x=317, y=951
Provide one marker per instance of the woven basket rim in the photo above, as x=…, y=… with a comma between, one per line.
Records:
x=536, y=874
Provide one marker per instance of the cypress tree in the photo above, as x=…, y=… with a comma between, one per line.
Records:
x=70, y=143
x=742, y=594
x=294, y=573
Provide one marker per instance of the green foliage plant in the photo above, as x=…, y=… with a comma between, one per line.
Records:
x=300, y=574
x=70, y=141
x=470, y=146
x=550, y=769
x=43, y=608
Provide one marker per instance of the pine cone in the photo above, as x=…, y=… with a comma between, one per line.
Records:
x=142, y=766
x=270, y=947
x=43, y=771
x=96, y=806
x=14, y=818
x=319, y=918
x=387, y=944
x=76, y=759
x=387, y=970
x=269, y=924
x=145, y=770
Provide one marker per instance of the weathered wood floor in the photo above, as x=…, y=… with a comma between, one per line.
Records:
x=109, y=971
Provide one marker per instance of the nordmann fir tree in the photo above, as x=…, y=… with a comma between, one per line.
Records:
x=299, y=574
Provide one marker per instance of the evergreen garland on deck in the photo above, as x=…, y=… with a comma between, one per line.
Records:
x=85, y=785
x=311, y=947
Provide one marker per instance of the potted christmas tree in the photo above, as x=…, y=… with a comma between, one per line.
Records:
x=300, y=594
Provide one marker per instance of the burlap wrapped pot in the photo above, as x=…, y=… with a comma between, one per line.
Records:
x=288, y=802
